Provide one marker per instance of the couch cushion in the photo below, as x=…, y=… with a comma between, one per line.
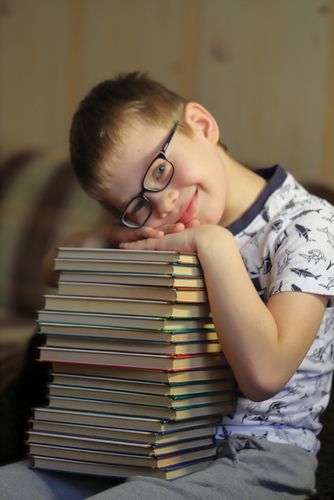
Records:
x=40, y=203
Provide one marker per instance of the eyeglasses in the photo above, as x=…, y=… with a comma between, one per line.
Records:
x=157, y=177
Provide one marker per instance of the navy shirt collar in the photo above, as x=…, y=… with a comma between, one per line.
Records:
x=275, y=176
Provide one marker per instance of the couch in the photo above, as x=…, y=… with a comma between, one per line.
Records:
x=41, y=202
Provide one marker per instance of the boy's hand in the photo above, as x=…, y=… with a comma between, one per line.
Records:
x=182, y=241
x=113, y=235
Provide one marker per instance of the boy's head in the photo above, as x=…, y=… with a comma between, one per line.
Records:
x=105, y=116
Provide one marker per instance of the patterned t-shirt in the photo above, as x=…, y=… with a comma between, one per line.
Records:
x=286, y=239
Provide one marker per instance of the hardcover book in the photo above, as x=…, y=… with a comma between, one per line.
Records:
x=167, y=294
x=139, y=386
x=78, y=342
x=125, y=422
x=122, y=334
x=117, y=446
x=128, y=255
x=113, y=278
x=125, y=321
x=119, y=434
x=126, y=306
x=106, y=457
x=168, y=413
x=136, y=398
x=123, y=266
x=112, y=470
x=130, y=360
x=209, y=374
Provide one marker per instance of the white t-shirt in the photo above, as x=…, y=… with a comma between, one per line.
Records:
x=286, y=239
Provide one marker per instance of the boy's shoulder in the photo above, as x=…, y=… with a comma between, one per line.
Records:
x=290, y=204
x=284, y=202
x=289, y=242
x=300, y=241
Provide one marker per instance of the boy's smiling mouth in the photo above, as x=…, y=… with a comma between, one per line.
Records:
x=188, y=213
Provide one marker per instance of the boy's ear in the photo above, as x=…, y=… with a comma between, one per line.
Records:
x=201, y=121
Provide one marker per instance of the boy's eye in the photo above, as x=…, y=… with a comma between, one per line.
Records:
x=158, y=175
x=159, y=171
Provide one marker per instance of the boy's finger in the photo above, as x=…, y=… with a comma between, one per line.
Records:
x=173, y=228
x=142, y=234
x=193, y=223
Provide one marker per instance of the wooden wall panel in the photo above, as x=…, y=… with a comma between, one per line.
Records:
x=271, y=62
x=33, y=48
x=327, y=163
x=128, y=35
x=264, y=68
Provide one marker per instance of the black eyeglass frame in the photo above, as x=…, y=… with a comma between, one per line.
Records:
x=141, y=194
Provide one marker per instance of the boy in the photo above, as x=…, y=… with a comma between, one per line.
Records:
x=266, y=247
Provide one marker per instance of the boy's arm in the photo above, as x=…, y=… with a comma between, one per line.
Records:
x=264, y=343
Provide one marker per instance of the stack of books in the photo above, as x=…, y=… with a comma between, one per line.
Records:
x=138, y=380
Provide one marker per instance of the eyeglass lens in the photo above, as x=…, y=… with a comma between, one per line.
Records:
x=137, y=212
x=156, y=179
x=158, y=175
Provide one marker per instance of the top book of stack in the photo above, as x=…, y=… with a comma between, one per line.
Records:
x=127, y=261
x=124, y=254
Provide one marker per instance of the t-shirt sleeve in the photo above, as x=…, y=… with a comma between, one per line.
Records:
x=303, y=253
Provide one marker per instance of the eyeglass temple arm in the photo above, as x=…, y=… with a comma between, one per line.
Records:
x=169, y=138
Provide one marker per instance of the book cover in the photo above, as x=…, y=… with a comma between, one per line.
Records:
x=180, y=413
x=113, y=278
x=130, y=360
x=119, y=434
x=125, y=321
x=125, y=422
x=122, y=334
x=117, y=446
x=126, y=306
x=167, y=294
x=123, y=266
x=136, y=398
x=112, y=470
x=127, y=254
x=120, y=458
x=79, y=342
x=191, y=375
x=163, y=389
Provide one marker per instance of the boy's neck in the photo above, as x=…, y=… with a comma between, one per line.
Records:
x=243, y=187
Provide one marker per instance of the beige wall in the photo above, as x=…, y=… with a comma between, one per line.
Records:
x=265, y=68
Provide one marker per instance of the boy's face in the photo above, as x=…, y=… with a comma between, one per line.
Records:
x=197, y=188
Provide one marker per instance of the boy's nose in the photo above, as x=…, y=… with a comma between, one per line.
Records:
x=164, y=201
